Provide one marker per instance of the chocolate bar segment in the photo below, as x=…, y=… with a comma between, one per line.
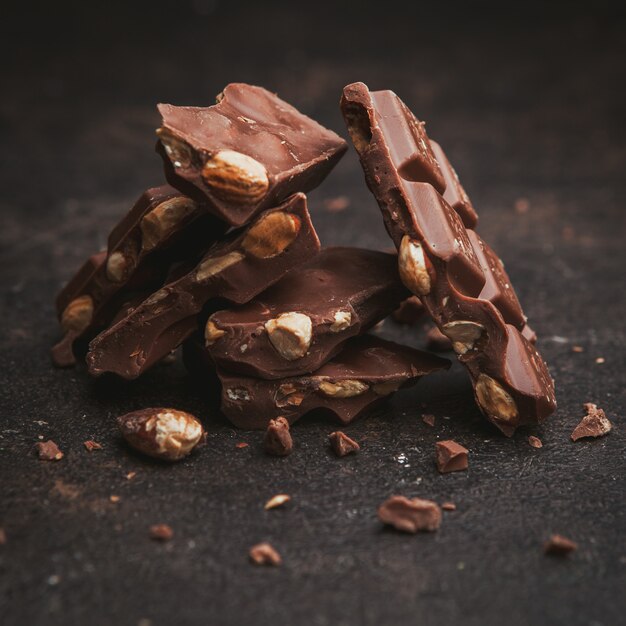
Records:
x=141, y=248
x=363, y=374
x=302, y=321
x=236, y=270
x=459, y=279
x=246, y=153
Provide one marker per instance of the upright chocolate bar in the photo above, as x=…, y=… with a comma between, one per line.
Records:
x=362, y=375
x=246, y=153
x=235, y=269
x=302, y=321
x=141, y=249
x=460, y=281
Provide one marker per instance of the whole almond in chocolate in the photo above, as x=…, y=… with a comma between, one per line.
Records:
x=248, y=152
x=167, y=434
x=236, y=269
x=298, y=324
x=460, y=281
x=410, y=515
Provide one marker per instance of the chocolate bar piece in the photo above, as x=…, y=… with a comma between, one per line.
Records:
x=236, y=270
x=302, y=321
x=246, y=153
x=364, y=373
x=141, y=248
x=459, y=279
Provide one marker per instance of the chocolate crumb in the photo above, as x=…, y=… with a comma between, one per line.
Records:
x=114, y=499
x=409, y=312
x=577, y=349
x=241, y=444
x=92, y=445
x=451, y=456
x=3, y=536
x=594, y=424
x=161, y=532
x=428, y=419
x=535, y=442
x=600, y=360
x=342, y=444
x=558, y=545
x=448, y=506
x=437, y=341
x=276, y=501
x=264, y=554
x=278, y=441
x=48, y=451
x=131, y=475
x=522, y=205
x=410, y=515
x=337, y=204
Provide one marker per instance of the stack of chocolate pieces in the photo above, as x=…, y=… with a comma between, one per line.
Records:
x=233, y=223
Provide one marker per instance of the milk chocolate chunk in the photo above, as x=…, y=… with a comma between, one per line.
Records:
x=459, y=279
x=278, y=441
x=451, y=457
x=342, y=445
x=141, y=249
x=246, y=153
x=363, y=374
x=235, y=269
x=410, y=515
x=298, y=324
x=594, y=424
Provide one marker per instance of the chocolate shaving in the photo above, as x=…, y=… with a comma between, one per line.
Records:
x=410, y=515
x=594, y=424
x=278, y=441
x=341, y=444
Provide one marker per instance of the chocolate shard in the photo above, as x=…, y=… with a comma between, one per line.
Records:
x=151, y=237
x=459, y=279
x=235, y=269
x=341, y=444
x=278, y=440
x=451, y=457
x=558, y=545
x=594, y=424
x=297, y=325
x=246, y=153
x=410, y=515
x=364, y=373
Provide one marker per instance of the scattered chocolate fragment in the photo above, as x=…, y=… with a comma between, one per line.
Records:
x=535, y=442
x=409, y=312
x=577, y=349
x=246, y=153
x=337, y=204
x=236, y=269
x=161, y=532
x=48, y=451
x=451, y=457
x=276, y=501
x=459, y=279
x=594, y=424
x=297, y=325
x=341, y=444
x=410, y=515
x=264, y=554
x=241, y=444
x=91, y=445
x=558, y=545
x=448, y=506
x=278, y=441
x=131, y=475
x=115, y=499
x=166, y=434
x=600, y=360
x=428, y=419
x=437, y=341
x=361, y=376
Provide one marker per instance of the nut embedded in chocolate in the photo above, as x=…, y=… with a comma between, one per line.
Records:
x=594, y=424
x=264, y=554
x=410, y=515
x=271, y=234
x=451, y=457
x=278, y=441
x=290, y=334
x=161, y=532
x=412, y=266
x=341, y=444
x=48, y=451
x=558, y=545
x=166, y=434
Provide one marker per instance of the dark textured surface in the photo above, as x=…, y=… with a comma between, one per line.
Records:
x=531, y=109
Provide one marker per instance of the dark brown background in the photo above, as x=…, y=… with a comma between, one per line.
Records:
x=529, y=106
